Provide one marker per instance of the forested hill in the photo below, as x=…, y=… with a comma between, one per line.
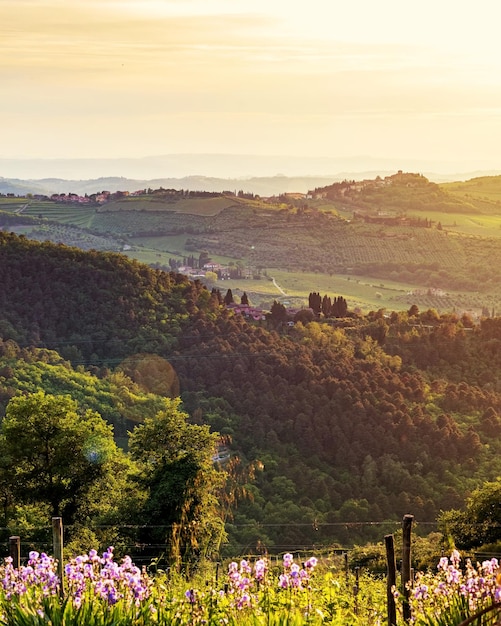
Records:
x=354, y=421
x=100, y=304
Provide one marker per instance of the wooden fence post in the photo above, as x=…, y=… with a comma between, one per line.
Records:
x=57, y=540
x=406, y=565
x=391, y=579
x=356, y=589
x=15, y=551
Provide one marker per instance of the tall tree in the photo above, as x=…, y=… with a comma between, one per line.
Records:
x=216, y=294
x=278, y=312
x=203, y=258
x=481, y=521
x=339, y=307
x=176, y=467
x=326, y=306
x=315, y=302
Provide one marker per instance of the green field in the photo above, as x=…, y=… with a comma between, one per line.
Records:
x=361, y=292
x=194, y=206
x=67, y=214
x=483, y=225
x=148, y=256
x=12, y=204
x=81, y=216
x=358, y=291
x=174, y=244
x=485, y=190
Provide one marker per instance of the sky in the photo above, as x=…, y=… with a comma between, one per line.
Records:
x=319, y=78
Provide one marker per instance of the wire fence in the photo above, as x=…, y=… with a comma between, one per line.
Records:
x=146, y=544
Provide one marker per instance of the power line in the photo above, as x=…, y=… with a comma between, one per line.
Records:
x=312, y=524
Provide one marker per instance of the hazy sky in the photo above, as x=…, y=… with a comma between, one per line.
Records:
x=387, y=78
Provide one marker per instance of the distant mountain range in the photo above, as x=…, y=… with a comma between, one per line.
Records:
x=263, y=175
x=263, y=186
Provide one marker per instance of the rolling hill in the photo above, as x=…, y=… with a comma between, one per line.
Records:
x=409, y=239
x=354, y=421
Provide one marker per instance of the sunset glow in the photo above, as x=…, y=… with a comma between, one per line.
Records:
x=322, y=78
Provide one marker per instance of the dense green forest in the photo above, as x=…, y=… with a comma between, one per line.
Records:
x=335, y=428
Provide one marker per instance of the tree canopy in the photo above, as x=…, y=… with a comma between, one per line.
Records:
x=175, y=464
x=54, y=453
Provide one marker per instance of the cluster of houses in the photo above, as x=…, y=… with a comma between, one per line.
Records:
x=257, y=314
x=347, y=187
x=223, y=272
x=105, y=196
x=249, y=312
x=432, y=291
x=95, y=198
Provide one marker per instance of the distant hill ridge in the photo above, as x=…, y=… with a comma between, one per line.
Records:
x=261, y=185
x=265, y=186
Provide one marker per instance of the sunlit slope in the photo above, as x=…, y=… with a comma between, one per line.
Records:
x=399, y=193
x=483, y=192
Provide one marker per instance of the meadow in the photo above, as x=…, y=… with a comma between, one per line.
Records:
x=51, y=210
x=193, y=206
x=483, y=189
x=80, y=216
x=105, y=590
x=363, y=293
x=488, y=225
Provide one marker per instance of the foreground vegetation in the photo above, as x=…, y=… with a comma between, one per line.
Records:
x=98, y=590
x=102, y=590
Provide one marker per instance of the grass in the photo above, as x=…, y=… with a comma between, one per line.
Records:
x=193, y=206
x=11, y=205
x=80, y=216
x=360, y=292
x=483, y=188
x=467, y=224
x=174, y=244
x=21, y=229
x=102, y=592
x=148, y=256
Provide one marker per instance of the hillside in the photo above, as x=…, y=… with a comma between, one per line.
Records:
x=402, y=234
x=399, y=193
x=352, y=421
x=482, y=191
x=97, y=305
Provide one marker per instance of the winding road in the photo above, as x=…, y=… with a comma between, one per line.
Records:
x=278, y=286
